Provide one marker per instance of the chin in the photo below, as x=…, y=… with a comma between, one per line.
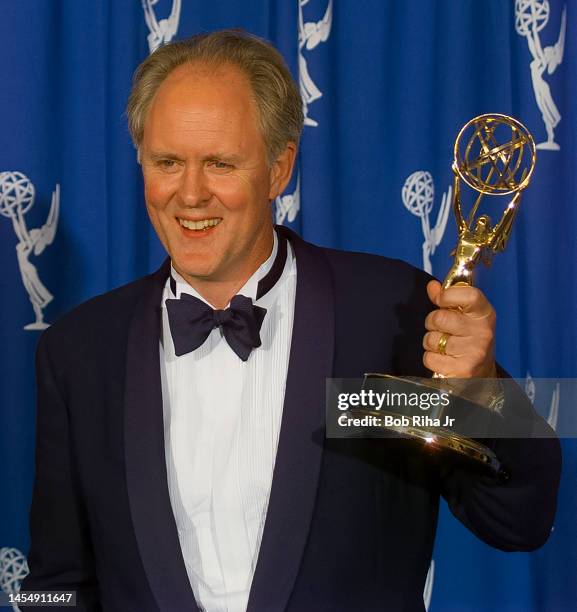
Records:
x=191, y=266
x=189, y=271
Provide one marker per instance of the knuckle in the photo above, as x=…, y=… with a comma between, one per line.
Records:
x=478, y=355
x=429, y=341
x=427, y=360
x=485, y=336
x=448, y=295
x=484, y=325
x=477, y=296
x=441, y=319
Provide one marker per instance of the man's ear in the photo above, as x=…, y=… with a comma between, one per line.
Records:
x=281, y=170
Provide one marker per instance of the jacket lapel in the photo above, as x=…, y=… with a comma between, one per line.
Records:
x=153, y=520
x=299, y=453
x=300, y=447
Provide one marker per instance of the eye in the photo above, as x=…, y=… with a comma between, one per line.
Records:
x=217, y=164
x=166, y=163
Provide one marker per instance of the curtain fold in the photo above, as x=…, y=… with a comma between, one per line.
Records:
x=386, y=87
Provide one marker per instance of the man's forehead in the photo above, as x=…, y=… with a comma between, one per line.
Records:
x=204, y=103
x=194, y=73
x=214, y=91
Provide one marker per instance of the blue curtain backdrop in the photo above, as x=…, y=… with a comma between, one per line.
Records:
x=386, y=86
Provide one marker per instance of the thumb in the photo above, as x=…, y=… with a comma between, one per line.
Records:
x=434, y=289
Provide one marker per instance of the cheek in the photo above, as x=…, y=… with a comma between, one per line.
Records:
x=160, y=221
x=240, y=195
x=230, y=192
x=157, y=192
x=156, y=204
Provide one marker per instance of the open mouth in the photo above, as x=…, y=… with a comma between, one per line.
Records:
x=203, y=226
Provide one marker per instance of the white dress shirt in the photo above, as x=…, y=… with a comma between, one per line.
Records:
x=222, y=420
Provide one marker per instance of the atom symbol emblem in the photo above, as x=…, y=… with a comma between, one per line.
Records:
x=13, y=569
x=16, y=198
x=495, y=154
x=418, y=193
x=16, y=193
x=531, y=14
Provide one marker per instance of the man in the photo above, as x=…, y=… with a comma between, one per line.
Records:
x=181, y=457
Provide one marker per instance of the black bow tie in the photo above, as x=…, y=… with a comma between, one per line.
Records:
x=191, y=320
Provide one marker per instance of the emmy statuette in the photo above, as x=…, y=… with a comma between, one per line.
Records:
x=494, y=155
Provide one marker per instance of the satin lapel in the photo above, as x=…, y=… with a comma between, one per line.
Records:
x=300, y=447
x=146, y=478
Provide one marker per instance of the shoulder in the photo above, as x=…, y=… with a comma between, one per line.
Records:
x=356, y=267
x=375, y=274
x=117, y=302
x=364, y=273
x=102, y=319
x=367, y=264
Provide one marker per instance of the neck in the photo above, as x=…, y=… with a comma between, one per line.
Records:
x=219, y=292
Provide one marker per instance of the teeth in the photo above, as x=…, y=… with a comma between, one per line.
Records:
x=199, y=225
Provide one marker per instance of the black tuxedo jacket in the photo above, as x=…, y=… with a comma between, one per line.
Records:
x=350, y=523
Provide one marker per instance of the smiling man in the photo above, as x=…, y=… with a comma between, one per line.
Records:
x=181, y=458
x=208, y=180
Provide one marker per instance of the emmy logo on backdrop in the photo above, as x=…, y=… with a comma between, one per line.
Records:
x=287, y=206
x=13, y=569
x=418, y=196
x=531, y=391
x=531, y=16
x=162, y=31
x=311, y=34
x=16, y=199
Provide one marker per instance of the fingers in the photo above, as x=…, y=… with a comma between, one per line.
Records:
x=474, y=316
x=469, y=300
x=467, y=320
x=455, y=346
x=475, y=361
x=434, y=288
x=444, y=364
x=459, y=324
x=447, y=321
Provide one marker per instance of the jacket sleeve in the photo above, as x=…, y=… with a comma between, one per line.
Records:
x=61, y=555
x=512, y=514
x=514, y=511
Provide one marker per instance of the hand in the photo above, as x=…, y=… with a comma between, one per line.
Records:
x=467, y=317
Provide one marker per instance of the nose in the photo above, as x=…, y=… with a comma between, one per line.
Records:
x=193, y=189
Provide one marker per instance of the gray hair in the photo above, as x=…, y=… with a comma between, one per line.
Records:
x=277, y=97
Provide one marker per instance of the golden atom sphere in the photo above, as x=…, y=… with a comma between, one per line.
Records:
x=495, y=154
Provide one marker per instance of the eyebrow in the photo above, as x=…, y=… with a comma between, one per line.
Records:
x=161, y=155
x=232, y=160
x=158, y=155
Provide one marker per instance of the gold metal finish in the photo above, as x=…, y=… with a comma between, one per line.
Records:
x=441, y=440
x=494, y=155
x=441, y=347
